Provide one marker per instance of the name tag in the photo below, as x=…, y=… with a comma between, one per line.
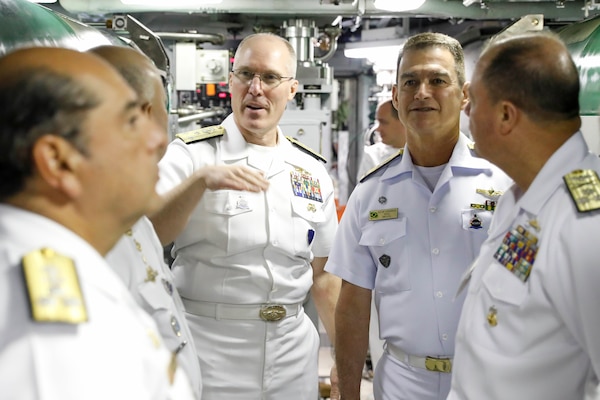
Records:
x=379, y=215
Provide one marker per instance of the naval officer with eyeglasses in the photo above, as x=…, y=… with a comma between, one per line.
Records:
x=252, y=216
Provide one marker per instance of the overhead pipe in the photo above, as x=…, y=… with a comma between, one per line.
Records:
x=217, y=112
x=200, y=37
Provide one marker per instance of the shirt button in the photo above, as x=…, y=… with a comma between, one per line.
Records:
x=381, y=241
x=436, y=251
x=433, y=209
x=275, y=242
x=439, y=294
x=444, y=336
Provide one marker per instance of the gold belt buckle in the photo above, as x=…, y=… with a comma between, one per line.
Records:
x=438, y=364
x=272, y=313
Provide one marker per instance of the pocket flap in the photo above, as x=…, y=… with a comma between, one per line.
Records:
x=503, y=285
x=308, y=210
x=227, y=202
x=380, y=233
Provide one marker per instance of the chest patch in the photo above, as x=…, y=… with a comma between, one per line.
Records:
x=304, y=185
x=517, y=252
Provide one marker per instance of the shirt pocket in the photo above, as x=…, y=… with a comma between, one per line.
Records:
x=387, y=243
x=504, y=287
x=306, y=217
x=231, y=218
x=227, y=202
x=475, y=227
x=504, y=301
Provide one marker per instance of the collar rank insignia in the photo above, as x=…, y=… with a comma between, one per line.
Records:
x=380, y=215
x=198, y=135
x=584, y=187
x=490, y=193
x=53, y=288
x=306, y=149
x=383, y=164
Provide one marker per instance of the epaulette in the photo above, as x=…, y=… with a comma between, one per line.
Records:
x=383, y=164
x=53, y=288
x=306, y=149
x=584, y=186
x=198, y=135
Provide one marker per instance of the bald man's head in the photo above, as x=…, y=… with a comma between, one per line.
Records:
x=534, y=71
x=65, y=61
x=142, y=75
x=46, y=90
x=389, y=126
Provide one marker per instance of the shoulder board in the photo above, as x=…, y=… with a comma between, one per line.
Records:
x=198, y=135
x=53, y=288
x=306, y=149
x=584, y=187
x=383, y=164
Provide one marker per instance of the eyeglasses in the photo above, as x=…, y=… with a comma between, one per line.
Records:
x=269, y=79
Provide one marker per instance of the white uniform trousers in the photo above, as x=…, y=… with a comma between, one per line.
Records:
x=257, y=360
x=396, y=380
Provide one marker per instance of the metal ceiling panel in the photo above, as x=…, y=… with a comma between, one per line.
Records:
x=566, y=10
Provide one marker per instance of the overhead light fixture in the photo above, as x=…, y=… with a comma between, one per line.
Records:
x=381, y=53
x=397, y=5
x=42, y=1
x=176, y=3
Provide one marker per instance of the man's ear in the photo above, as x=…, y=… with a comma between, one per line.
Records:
x=395, y=100
x=509, y=117
x=293, y=89
x=465, y=92
x=56, y=161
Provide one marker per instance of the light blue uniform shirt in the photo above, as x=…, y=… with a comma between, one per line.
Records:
x=430, y=244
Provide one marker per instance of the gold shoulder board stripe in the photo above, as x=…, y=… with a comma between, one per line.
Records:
x=584, y=187
x=383, y=164
x=53, y=288
x=199, y=135
x=306, y=149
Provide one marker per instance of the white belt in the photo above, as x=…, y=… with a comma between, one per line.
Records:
x=442, y=364
x=265, y=312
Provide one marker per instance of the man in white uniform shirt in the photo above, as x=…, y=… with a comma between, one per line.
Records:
x=393, y=137
x=138, y=256
x=410, y=230
x=530, y=323
x=79, y=166
x=246, y=259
